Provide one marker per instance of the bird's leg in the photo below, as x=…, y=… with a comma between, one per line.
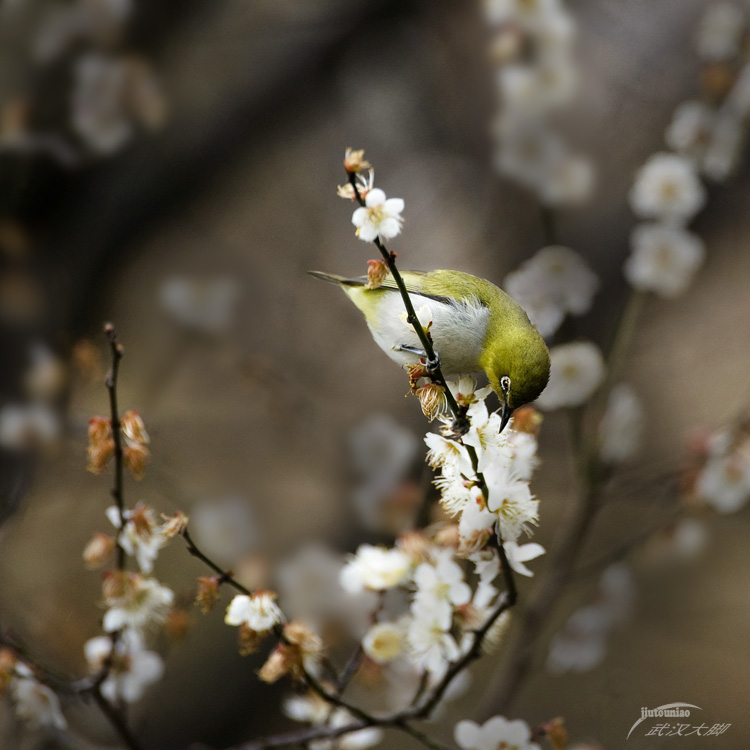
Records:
x=412, y=350
x=431, y=365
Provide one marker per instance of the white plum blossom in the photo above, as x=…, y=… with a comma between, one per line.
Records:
x=142, y=536
x=384, y=641
x=667, y=187
x=141, y=603
x=476, y=526
x=527, y=150
x=380, y=217
x=259, y=612
x=510, y=499
x=131, y=668
x=35, y=702
x=691, y=127
x=581, y=644
x=431, y=645
x=556, y=281
x=720, y=32
x=374, y=568
x=569, y=181
x=723, y=151
x=622, y=426
x=724, y=482
x=441, y=584
x=313, y=709
x=664, y=259
x=524, y=447
x=497, y=732
x=577, y=370
x=519, y=554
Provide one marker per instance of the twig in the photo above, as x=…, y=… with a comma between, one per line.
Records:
x=111, y=383
x=115, y=719
x=433, y=361
x=225, y=576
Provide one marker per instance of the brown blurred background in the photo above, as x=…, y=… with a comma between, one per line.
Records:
x=239, y=184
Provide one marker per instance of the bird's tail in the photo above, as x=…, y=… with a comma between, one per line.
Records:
x=334, y=279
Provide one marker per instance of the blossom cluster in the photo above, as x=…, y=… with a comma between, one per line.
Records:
x=706, y=137
x=114, y=92
x=536, y=74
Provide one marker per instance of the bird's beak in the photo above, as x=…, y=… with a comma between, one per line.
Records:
x=505, y=415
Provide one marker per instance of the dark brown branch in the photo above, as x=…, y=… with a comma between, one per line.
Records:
x=224, y=576
x=115, y=719
x=111, y=383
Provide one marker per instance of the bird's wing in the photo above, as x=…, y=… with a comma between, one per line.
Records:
x=412, y=281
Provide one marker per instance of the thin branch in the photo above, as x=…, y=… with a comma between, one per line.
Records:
x=115, y=719
x=225, y=576
x=111, y=383
x=433, y=360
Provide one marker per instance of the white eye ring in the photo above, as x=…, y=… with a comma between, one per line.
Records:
x=505, y=383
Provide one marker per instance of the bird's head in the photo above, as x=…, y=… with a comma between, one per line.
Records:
x=518, y=370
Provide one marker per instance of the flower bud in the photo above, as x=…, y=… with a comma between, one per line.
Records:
x=527, y=419
x=135, y=457
x=377, y=270
x=177, y=625
x=101, y=444
x=133, y=428
x=556, y=733
x=432, y=400
x=208, y=593
x=354, y=161
x=98, y=551
x=7, y=668
x=174, y=525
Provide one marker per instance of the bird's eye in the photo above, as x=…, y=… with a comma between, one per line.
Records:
x=505, y=383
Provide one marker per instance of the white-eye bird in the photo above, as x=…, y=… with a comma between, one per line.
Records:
x=476, y=327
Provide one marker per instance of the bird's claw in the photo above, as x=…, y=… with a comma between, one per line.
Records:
x=433, y=365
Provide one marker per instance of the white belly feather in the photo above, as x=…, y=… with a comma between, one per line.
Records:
x=458, y=331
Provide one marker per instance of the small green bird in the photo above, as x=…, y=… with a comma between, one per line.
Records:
x=476, y=327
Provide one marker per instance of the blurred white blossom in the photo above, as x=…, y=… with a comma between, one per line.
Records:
x=667, y=187
x=131, y=668
x=35, y=702
x=621, y=428
x=664, y=259
x=497, y=732
x=374, y=568
x=577, y=370
x=136, y=603
x=552, y=283
x=142, y=536
x=384, y=641
x=720, y=32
